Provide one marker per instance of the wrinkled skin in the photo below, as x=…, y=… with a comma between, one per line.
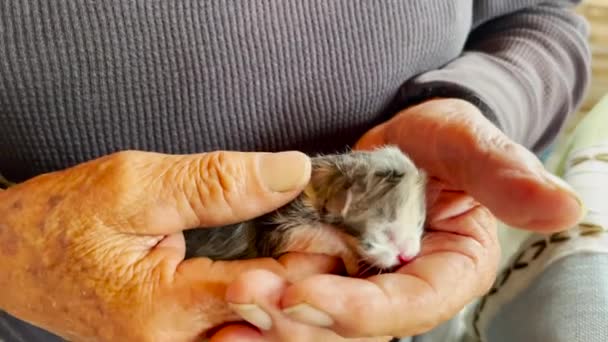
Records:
x=479, y=175
x=96, y=252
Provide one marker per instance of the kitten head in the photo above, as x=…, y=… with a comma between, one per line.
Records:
x=376, y=196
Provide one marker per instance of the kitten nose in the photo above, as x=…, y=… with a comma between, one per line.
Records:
x=404, y=258
x=408, y=250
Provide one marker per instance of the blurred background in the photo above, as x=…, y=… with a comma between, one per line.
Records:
x=596, y=11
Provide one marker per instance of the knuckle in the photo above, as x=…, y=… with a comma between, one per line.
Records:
x=123, y=164
x=220, y=178
x=118, y=180
x=220, y=174
x=484, y=228
x=124, y=155
x=503, y=144
x=120, y=166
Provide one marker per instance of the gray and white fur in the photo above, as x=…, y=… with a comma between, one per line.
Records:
x=372, y=200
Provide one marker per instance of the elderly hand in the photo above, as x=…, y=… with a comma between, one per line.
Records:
x=457, y=145
x=96, y=252
x=478, y=173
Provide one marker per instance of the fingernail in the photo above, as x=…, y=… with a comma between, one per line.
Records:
x=561, y=184
x=307, y=314
x=584, y=211
x=253, y=314
x=285, y=171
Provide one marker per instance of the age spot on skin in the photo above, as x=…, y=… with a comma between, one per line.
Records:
x=9, y=241
x=42, y=226
x=17, y=205
x=54, y=200
x=36, y=270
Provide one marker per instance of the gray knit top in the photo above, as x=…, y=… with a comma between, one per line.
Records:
x=81, y=78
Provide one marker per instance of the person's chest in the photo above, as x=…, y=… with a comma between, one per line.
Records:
x=80, y=78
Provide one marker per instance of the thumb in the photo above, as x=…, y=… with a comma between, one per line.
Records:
x=212, y=189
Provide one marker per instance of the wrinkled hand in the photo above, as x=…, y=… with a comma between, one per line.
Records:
x=457, y=145
x=96, y=252
x=478, y=174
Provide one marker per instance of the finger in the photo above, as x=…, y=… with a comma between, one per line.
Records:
x=450, y=204
x=256, y=294
x=457, y=143
x=258, y=288
x=200, y=284
x=166, y=255
x=205, y=190
x=291, y=266
x=245, y=333
x=424, y=293
x=374, y=138
x=302, y=265
x=472, y=233
x=238, y=333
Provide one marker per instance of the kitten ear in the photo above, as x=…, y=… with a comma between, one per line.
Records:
x=339, y=203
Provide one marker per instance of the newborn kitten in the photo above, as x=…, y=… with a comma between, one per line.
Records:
x=364, y=206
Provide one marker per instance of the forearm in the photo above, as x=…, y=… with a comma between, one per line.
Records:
x=527, y=71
